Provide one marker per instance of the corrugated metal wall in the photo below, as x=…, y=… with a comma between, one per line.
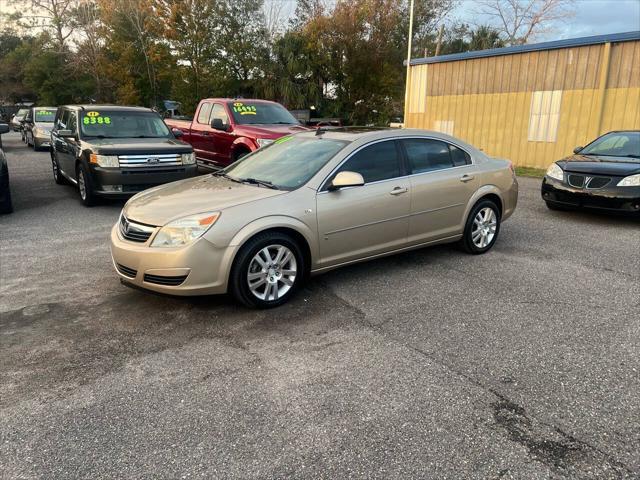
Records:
x=533, y=107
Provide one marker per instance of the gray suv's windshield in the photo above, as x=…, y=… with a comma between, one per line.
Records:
x=44, y=115
x=122, y=124
x=287, y=163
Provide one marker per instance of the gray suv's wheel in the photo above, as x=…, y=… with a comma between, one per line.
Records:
x=55, y=167
x=85, y=187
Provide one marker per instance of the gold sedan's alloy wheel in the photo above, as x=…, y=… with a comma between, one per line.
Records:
x=272, y=272
x=484, y=227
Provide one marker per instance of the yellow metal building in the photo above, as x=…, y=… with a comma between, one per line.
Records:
x=531, y=104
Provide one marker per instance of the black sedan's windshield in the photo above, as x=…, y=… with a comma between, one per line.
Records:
x=287, y=163
x=122, y=124
x=249, y=113
x=615, y=144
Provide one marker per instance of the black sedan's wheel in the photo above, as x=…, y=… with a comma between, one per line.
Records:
x=482, y=228
x=6, y=206
x=85, y=188
x=267, y=271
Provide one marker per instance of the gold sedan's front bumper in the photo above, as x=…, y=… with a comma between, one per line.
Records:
x=200, y=268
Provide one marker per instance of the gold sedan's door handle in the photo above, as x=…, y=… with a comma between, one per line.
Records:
x=398, y=191
x=466, y=178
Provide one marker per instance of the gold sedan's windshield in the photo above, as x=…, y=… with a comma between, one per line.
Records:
x=287, y=163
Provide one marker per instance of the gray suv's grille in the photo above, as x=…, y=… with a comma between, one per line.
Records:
x=150, y=160
x=134, y=232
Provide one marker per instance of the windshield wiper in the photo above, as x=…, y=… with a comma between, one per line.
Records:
x=626, y=155
x=262, y=183
x=148, y=136
x=223, y=174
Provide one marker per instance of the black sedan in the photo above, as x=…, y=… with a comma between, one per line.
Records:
x=604, y=175
x=5, y=193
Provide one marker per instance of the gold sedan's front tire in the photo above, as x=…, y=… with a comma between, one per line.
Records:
x=267, y=271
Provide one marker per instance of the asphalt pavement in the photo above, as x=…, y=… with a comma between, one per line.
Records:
x=522, y=363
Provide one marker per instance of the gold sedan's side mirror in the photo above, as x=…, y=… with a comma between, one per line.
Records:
x=346, y=179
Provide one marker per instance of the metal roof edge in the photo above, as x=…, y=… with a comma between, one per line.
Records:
x=534, y=47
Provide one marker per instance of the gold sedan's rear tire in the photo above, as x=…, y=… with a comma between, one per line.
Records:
x=482, y=228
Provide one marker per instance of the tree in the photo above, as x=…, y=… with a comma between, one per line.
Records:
x=519, y=21
x=485, y=37
x=15, y=51
x=89, y=58
x=139, y=59
x=190, y=26
x=291, y=76
x=53, y=16
x=428, y=14
x=242, y=48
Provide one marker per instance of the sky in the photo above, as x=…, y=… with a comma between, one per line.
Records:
x=591, y=17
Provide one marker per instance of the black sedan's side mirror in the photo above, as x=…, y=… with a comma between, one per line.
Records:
x=218, y=124
x=577, y=149
x=177, y=132
x=4, y=128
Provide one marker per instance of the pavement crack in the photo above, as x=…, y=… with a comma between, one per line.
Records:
x=544, y=442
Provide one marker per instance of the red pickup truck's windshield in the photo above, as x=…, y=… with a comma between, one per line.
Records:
x=249, y=113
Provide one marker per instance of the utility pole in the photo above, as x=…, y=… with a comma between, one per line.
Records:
x=408, y=80
x=439, y=43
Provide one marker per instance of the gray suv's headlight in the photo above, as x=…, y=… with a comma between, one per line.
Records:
x=188, y=158
x=185, y=230
x=110, y=161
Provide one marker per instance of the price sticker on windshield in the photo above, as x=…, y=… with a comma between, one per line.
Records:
x=44, y=113
x=95, y=118
x=283, y=139
x=242, y=109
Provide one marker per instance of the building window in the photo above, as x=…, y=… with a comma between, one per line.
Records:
x=545, y=115
x=444, y=126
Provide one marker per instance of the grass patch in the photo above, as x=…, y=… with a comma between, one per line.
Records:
x=530, y=172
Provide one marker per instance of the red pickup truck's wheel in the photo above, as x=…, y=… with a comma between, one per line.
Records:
x=240, y=153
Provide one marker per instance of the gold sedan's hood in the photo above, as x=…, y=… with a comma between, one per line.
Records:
x=158, y=206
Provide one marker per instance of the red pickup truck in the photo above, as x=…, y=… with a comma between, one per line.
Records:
x=226, y=129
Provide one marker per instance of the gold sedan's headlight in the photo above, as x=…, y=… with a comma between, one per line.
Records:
x=185, y=230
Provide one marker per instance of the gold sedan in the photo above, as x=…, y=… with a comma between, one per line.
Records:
x=309, y=203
